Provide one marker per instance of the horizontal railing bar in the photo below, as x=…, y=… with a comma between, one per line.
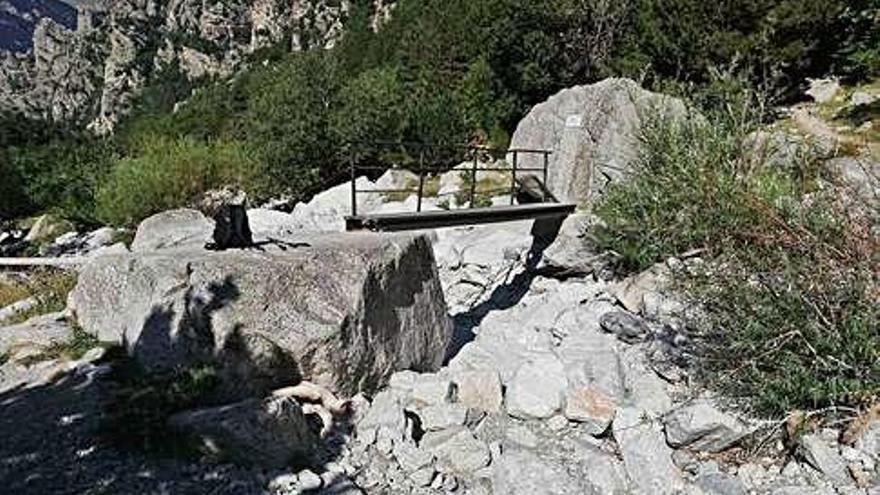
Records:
x=436, y=169
x=529, y=150
x=415, y=144
x=385, y=190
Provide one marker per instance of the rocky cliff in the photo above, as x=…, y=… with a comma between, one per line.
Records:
x=89, y=72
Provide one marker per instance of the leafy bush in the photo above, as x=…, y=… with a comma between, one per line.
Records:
x=165, y=173
x=789, y=290
x=287, y=118
x=46, y=167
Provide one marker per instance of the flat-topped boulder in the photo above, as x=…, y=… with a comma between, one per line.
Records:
x=343, y=310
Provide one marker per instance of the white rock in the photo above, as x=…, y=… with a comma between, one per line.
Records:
x=479, y=389
x=433, y=389
x=859, y=98
x=410, y=457
x=386, y=410
x=644, y=388
x=17, y=307
x=558, y=423
x=537, y=388
x=604, y=471
x=631, y=291
x=647, y=458
x=457, y=450
x=823, y=457
x=423, y=477
x=823, y=90
x=869, y=441
x=520, y=435
x=326, y=211
x=308, y=480
x=272, y=224
x=701, y=426
x=595, y=378
x=521, y=472
x=442, y=416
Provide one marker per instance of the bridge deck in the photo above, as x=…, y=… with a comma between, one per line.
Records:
x=387, y=222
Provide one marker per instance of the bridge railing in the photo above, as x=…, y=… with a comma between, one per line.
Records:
x=423, y=168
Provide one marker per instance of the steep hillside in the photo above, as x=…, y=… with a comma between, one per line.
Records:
x=19, y=18
x=89, y=70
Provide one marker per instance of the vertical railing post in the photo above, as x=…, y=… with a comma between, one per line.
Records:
x=474, y=177
x=354, y=209
x=421, y=179
x=546, y=189
x=513, y=178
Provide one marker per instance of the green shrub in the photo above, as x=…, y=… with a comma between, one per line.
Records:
x=165, y=173
x=789, y=289
x=287, y=117
x=60, y=175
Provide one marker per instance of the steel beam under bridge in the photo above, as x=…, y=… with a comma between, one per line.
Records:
x=388, y=222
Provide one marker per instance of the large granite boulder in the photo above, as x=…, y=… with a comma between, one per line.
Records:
x=593, y=132
x=344, y=311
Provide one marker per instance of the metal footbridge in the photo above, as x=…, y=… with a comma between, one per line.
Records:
x=529, y=196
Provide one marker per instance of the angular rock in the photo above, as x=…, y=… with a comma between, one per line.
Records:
x=718, y=483
x=479, y=389
x=647, y=458
x=174, y=229
x=385, y=412
x=590, y=405
x=823, y=90
x=433, y=389
x=860, y=98
x=628, y=327
x=821, y=456
x=631, y=292
x=861, y=174
x=270, y=432
x=644, y=389
x=520, y=472
x=326, y=212
x=869, y=441
x=308, y=480
x=570, y=254
x=442, y=416
x=411, y=458
x=423, y=477
x=521, y=435
x=36, y=333
x=702, y=427
x=604, y=471
x=457, y=450
x=46, y=228
x=345, y=312
x=271, y=224
x=537, y=388
x=595, y=380
x=13, y=309
x=591, y=148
